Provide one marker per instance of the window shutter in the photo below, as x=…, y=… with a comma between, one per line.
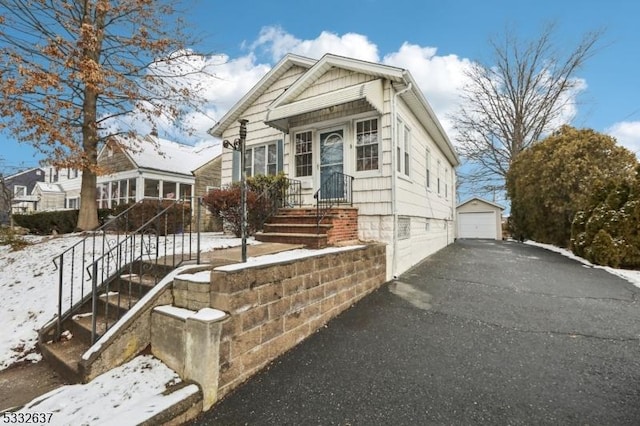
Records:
x=280, y=155
x=235, y=166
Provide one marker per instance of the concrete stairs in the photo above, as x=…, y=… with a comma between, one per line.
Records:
x=296, y=226
x=124, y=291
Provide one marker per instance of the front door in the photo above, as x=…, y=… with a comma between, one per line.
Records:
x=331, y=161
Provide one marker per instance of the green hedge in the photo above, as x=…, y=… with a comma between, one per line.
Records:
x=59, y=221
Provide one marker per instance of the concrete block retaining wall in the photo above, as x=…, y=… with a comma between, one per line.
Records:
x=273, y=307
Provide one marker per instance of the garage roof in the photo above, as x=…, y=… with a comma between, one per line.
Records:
x=482, y=200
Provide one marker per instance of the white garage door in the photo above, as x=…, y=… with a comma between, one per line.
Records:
x=477, y=225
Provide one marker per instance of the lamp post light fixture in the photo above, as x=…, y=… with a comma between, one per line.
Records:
x=239, y=145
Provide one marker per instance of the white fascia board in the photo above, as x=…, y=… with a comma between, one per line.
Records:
x=371, y=91
x=265, y=82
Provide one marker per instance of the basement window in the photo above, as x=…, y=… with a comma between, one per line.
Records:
x=404, y=227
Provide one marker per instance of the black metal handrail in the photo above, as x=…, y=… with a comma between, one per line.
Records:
x=284, y=192
x=335, y=190
x=123, y=241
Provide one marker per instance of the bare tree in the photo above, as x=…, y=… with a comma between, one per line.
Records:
x=508, y=105
x=73, y=72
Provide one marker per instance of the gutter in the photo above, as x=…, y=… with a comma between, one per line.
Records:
x=394, y=175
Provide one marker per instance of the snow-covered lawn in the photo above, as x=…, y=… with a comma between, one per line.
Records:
x=29, y=290
x=129, y=394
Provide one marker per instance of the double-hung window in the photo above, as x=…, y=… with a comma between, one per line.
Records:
x=367, y=145
x=304, y=157
x=428, y=168
x=403, y=148
x=439, y=179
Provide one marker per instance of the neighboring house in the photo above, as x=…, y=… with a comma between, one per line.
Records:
x=69, y=181
x=151, y=167
x=18, y=198
x=479, y=218
x=144, y=167
x=50, y=196
x=312, y=118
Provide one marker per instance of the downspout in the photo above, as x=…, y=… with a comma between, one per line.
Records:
x=394, y=176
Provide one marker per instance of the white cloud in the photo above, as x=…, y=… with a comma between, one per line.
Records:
x=278, y=43
x=440, y=77
x=628, y=135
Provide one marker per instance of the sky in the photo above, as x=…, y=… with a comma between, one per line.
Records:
x=435, y=41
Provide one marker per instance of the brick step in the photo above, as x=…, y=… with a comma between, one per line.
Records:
x=303, y=219
x=309, y=240
x=297, y=211
x=64, y=356
x=296, y=228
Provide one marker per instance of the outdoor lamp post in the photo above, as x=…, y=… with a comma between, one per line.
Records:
x=239, y=145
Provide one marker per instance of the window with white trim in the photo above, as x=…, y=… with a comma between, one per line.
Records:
x=439, y=178
x=367, y=145
x=262, y=160
x=428, y=168
x=19, y=191
x=303, y=154
x=446, y=183
x=73, y=203
x=403, y=148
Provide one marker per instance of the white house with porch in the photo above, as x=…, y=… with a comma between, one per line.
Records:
x=342, y=128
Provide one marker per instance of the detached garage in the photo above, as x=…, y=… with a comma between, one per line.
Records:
x=478, y=218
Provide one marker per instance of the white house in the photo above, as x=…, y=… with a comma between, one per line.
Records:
x=312, y=118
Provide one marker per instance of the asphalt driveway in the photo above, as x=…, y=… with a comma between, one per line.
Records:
x=480, y=333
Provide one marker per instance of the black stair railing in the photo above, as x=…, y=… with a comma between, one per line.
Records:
x=149, y=233
x=284, y=192
x=335, y=190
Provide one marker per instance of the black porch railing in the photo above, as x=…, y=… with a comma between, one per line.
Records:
x=147, y=234
x=284, y=192
x=335, y=190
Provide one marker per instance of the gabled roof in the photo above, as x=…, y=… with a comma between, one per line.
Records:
x=23, y=172
x=482, y=200
x=401, y=79
x=47, y=187
x=265, y=82
x=154, y=153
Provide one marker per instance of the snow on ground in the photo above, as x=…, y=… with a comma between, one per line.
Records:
x=29, y=290
x=632, y=276
x=129, y=394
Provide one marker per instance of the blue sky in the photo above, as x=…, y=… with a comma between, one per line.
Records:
x=433, y=40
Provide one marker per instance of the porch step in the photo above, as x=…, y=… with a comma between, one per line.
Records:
x=80, y=326
x=140, y=284
x=63, y=356
x=310, y=240
x=297, y=228
x=116, y=304
x=301, y=219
